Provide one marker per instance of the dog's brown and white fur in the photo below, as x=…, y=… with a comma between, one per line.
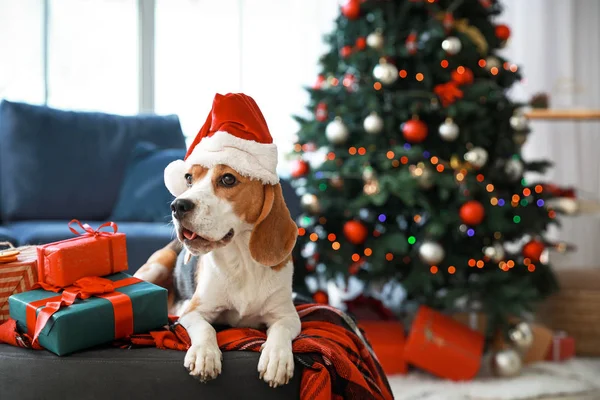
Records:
x=244, y=235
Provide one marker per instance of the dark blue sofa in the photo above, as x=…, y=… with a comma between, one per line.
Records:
x=58, y=165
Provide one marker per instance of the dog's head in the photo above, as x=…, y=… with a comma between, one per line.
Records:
x=219, y=204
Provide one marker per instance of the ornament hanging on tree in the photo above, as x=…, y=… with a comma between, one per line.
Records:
x=449, y=130
x=514, y=169
x=492, y=62
x=351, y=9
x=518, y=121
x=414, y=131
x=316, y=158
x=373, y=124
x=462, y=76
x=477, y=157
x=507, y=363
x=385, y=72
x=361, y=43
x=411, y=43
x=346, y=51
x=534, y=250
x=356, y=232
x=320, y=81
x=472, y=212
x=495, y=252
x=321, y=112
x=521, y=336
x=310, y=202
x=422, y=174
x=502, y=32
x=519, y=138
x=299, y=168
x=375, y=40
x=452, y=45
x=336, y=131
x=431, y=253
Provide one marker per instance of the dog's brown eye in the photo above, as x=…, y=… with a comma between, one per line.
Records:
x=188, y=179
x=228, y=180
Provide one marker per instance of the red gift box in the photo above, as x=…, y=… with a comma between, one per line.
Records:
x=91, y=253
x=17, y=277
x=562, y=347
x=444, y=347
x=387, y=340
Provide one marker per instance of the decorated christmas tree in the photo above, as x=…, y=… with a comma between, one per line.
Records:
x=409, y=165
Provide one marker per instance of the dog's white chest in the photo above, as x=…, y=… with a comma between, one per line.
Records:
x=245, y=293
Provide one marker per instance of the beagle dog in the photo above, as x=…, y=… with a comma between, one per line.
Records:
x=235, y=223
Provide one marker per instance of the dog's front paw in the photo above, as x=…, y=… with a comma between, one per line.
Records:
x=276, y=364
x=203, y=361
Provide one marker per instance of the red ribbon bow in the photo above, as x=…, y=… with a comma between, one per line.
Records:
x=83, y=288
x=89, y=231
x=448, y=93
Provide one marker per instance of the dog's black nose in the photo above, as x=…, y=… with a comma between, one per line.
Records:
x=181, y=206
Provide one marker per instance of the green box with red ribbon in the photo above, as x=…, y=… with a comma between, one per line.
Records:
x=90, y=312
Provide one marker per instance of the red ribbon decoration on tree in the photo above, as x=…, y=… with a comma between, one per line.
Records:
x=83, y=288
x=448, y=93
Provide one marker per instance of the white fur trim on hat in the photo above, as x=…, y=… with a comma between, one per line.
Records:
x=249, y=158
x=175, y=177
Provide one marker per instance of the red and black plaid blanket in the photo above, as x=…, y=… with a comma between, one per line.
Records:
x=337, y=361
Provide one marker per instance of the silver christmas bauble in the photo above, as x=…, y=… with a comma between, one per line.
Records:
x=336, y=131
x=492, y=62
x=507, y=363
x=448, y=130
x=375, y=40
x=431, y=252
x=452, y=45
x=373, y=124
x=495, y=252
x=514, y=169
x=310, y=202
x=385, y=72
x=477, y=157
x=518, y=121
x=521, y=336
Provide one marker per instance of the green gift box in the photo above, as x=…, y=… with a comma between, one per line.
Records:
x=113, y=313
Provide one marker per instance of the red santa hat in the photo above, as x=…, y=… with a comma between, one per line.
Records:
x=235, y=134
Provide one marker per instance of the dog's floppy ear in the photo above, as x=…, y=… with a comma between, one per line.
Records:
x=274, y=234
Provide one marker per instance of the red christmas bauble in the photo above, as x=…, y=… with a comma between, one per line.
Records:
x=462, y=78
x=414, y=131
x=321, y=297
x=346, y=51
x=321, y=112
x=533, y=250
x=356, y=232
x=502, y=32
x=351, y=9
x=319, y=83
x=299, y=168
x=472, y=212
x=361, y=43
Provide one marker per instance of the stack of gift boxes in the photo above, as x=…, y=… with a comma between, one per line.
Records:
x=73, y=294
x=454, y=347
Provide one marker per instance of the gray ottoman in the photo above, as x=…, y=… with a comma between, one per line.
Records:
x=146, y=373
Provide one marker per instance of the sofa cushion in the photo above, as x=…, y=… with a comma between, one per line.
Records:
x=112, y=373
x=60, y=164
x=143, y=195
x=6, y=236
x=143, y=238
